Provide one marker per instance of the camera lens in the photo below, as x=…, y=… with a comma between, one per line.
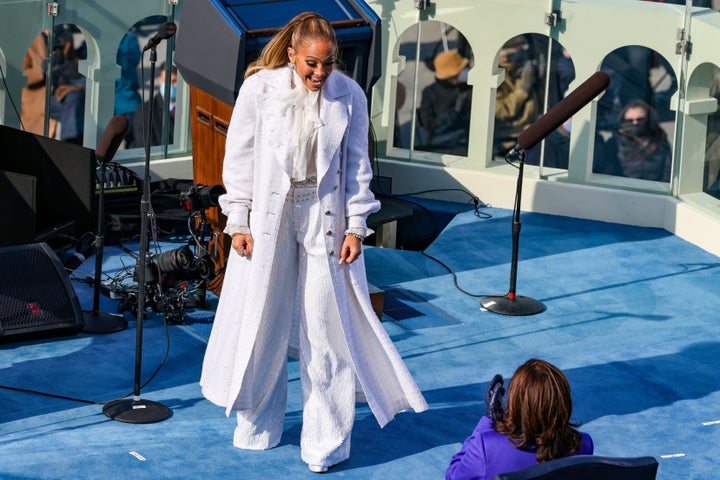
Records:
x=209, y=195
x=174, y=260
x=206, y=267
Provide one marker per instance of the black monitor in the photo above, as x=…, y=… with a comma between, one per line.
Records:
x=64, y=182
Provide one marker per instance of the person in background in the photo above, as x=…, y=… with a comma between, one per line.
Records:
x=640, y=145
x=557, y=148
x=297, y=175
x=67, y=104
x=445, y=107
x=127, y=86
x=157, y=103
x=517, y=104
x=712, y=144
x=535, y=426
x=32, y=116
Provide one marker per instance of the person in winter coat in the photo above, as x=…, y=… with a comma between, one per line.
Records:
x=640, y=145
x=297, y=176
x=517, y=102
x=445, y=106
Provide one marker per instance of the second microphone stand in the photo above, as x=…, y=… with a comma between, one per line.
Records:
x=136, y=409
x=510, y=303
x=96, y=320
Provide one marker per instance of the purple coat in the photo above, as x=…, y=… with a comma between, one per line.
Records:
x=486, y=453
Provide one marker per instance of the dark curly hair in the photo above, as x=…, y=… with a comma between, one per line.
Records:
x=538, y=412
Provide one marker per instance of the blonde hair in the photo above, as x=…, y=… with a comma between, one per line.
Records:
x=303, y=28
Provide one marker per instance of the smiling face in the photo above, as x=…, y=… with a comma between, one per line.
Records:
x=314, y=61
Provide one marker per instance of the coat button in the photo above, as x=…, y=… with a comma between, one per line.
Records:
x=329, y=233
x=328, y=212
x=332, y=252
x=335, y=187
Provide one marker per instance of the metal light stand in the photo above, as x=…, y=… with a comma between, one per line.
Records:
x=137, y=410
x=202, y=233
x=512, y=304
x=97, y=321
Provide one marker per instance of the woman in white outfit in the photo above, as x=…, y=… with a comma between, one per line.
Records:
x=297, y=176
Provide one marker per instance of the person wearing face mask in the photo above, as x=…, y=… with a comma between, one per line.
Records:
x=297, y=175
x=640, y=145
x=157, y=103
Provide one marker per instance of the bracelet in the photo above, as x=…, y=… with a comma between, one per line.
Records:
x=356, y=235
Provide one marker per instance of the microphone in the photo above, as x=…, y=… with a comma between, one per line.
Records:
x=111, y=138
x=563, y=110
x=165, y=31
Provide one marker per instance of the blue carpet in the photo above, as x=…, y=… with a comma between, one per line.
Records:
x=630, y=317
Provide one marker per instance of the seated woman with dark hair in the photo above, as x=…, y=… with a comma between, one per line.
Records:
x=534, y=428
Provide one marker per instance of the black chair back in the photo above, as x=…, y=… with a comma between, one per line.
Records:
x=588, y=467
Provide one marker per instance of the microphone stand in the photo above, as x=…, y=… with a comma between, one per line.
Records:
x=137, y=410
x=512, y=304
x=95, y=320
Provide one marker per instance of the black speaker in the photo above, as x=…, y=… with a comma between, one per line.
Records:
x=64, y=189
x=17, y=195
x=36, y=296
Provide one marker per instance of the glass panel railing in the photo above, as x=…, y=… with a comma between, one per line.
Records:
x=433, y=98
x=65, y=79
x=405, y=99
x=538, y=72
x=711, y=167
x=133, y=97
x=680, y=88
x=635, y=123
x=444, y=98
x=24, y=61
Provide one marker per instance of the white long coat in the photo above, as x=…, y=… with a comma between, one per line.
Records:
x=256, y=174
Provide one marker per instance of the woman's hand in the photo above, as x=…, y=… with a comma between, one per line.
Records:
x=243, y=243
x=351, y=249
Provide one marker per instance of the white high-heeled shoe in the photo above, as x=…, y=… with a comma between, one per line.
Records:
x=317, y=468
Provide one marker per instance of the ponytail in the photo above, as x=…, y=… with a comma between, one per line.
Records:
x=304, y=27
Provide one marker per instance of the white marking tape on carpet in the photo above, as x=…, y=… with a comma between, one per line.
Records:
x=137, y=455
x=673, y=455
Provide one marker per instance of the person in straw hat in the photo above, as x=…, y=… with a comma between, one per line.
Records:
x=445, y=106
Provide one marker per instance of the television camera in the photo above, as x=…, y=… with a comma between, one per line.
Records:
x=177, y=279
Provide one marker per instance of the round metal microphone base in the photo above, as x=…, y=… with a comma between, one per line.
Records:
x=103, y=322
x=516, y=306
x=136, y=411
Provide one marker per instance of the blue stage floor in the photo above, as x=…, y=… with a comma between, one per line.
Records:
x=631, y=317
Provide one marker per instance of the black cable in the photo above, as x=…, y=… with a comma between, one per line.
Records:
x=52, y=395
x=123, y=274
x=95, y=402
x=12, y=102
x=454, y=276
x=473, y=199
x=376, y=175
x=85, y=246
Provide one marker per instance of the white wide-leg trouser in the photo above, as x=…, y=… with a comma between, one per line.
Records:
x=326, y=371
